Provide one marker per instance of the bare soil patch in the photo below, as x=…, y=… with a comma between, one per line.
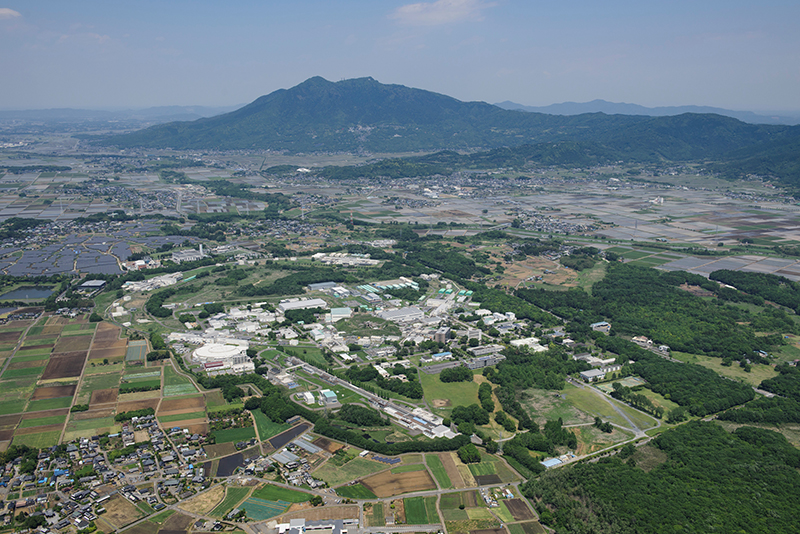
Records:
x=488, y=531
x=139, y=395
x=222, y=449
x=104, y=396
x=205, y=502
x=178, y=522
x=519, y=510
x=38, y=347
x=485, y=480
x=11, y=421
x=6, y=435
x=52, y=392
x=452, y=470
x=199, y=428
x=386, y=484
x=181, y=405
x=45, y=413
x=72, y=343
x=441, y=403
x=328, y=445
x=120, y=512
x=52, y=330
x=93, y=414
x=65, y=365
x=324, y=513
x=137, y=405
x=112, y=353
x=8, y=337
x=26, y=365
x=38, y=429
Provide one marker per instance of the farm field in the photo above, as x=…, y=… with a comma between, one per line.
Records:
x=269, y=492
x=233, y=496
x=266, y=427
x=234, y=434
x=356, y=491
x=420, y=510
x=387, y=484
x=438, y=470
x=205, y=502
x=354, y=469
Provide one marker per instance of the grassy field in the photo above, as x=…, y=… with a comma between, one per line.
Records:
x=377, y=519
x=482, y=468
x=352, y=470
x=172, y=378
x=43, y=421
x=591, y=402
x=438, y=470
x=31, y=357
x=266, y=427
x=177, y=390
x=159, y=519
x=233, y=496
x=38, y=441
x=356, y=491
x=91, y=424
x=234, y=434
x=49, y=404
x=15, y=373
x=754, y=377
x=452, y=393
x=277, y=493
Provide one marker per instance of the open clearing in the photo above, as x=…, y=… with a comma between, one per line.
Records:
x=181, y=405
x=120, y=512
x=72, y=343
x=137, y=405
x=233, y=496
x=205, y=502
x=52, y=392
x=387, y=484
x=104, y=396
x=353, y=470
x=519, y=510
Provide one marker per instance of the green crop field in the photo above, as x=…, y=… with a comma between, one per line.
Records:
x=266, y=427
x=356, y=491
x=179, y=389
x=277, y=493
x=38, y=441
x=49, y=404
x=234, y=434
x=43, y=421
x=32, y=357
x=33, y=342
x=91, y=424
x=181, y=417
x=88, y=327
x=30, y=371
x=233, y=496
x=483, y=468
x=14, y=406
x=172, y=378
x=102, y=369
x=408, y=469
x=438, y=470
x=355, y=468
x=415, y=511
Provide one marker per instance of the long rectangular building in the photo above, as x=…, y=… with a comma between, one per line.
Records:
x=302, y=304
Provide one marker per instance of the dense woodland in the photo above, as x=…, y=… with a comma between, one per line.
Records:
x=711, y=481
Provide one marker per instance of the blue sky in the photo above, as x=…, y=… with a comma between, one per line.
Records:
x=113, y=53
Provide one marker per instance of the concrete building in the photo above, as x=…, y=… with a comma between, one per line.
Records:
x=188, y=255
x=442, y=335
x=301, y=304
x=402, y=315
x=327, y=396
x=594, y=375
x=485, y=361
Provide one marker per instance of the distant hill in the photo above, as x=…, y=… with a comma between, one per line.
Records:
x=620, y=108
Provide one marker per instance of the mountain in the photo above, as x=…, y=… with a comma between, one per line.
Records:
x=365, y=115
x=620, y=108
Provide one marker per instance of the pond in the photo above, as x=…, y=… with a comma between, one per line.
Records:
x=28, y=293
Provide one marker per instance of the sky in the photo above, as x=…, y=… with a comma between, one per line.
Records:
x=104, y=54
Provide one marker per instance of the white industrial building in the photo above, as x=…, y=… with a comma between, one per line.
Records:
x=402, y=315
x=301, y=304
x=232, y=350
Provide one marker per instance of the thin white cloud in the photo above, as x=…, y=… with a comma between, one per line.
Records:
x=440, y=12
x=6, y=13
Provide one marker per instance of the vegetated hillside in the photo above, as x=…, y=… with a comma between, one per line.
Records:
x=356, y=114
x=363, y=114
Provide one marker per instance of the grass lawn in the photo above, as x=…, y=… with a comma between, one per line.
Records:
x=438, y=470
x=277, y=493
x=181, y=417
x=355, y=468
x=38, y=441
x=43, y=421
x=312, y=354
x=591, y=402
x=14, y=406
x=266, y=427
x=455, y=393
x=408, y=469
x=234, y=434
x=754, y=377
x=233, y=496
x=356, y=491
x=49, y=404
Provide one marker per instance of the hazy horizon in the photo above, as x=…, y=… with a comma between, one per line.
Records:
x=97, y=55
